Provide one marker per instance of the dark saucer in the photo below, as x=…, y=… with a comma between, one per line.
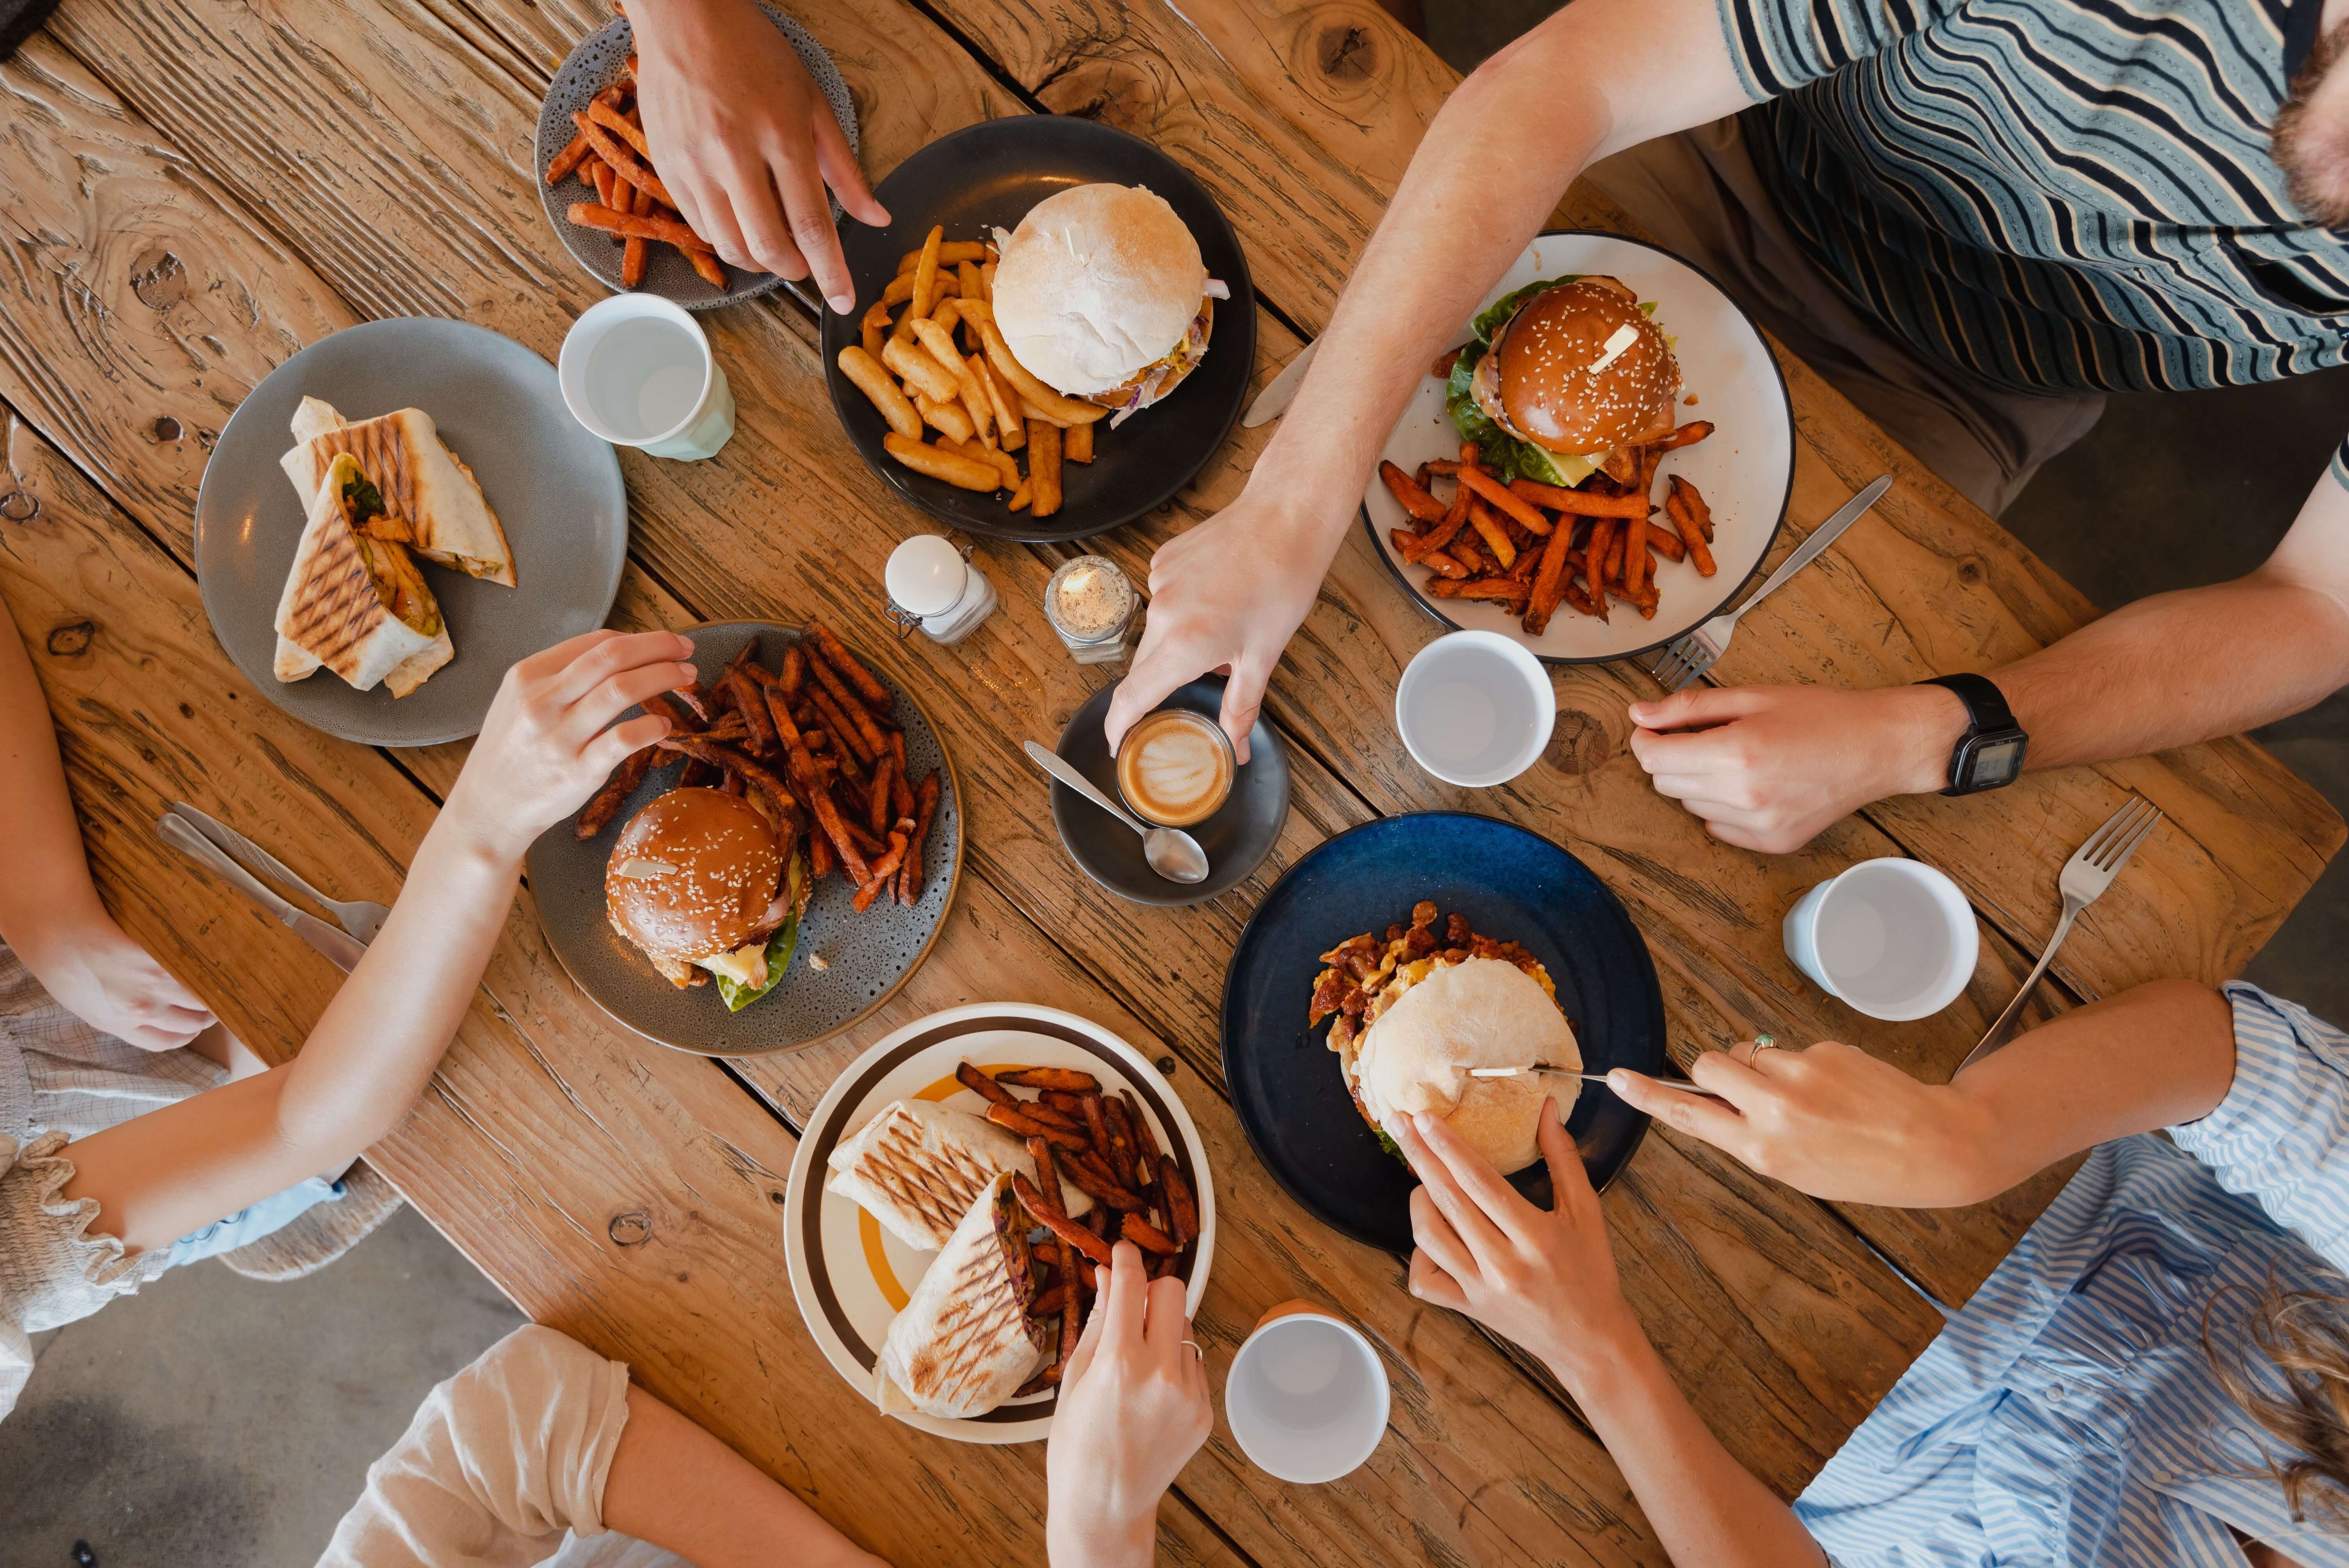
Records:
x=1236, y=838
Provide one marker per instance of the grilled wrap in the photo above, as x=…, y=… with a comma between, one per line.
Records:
x=355, y=601
x=918, y=1166
x=424, y=486
x=964, y=1344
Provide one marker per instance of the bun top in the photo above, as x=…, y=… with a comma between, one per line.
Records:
x=1482, y=1013
x=692, y=875
x=1096, y=283
x=1569, y=384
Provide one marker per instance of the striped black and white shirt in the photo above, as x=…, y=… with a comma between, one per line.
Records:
x=2058, y=195
x=2070, y=1413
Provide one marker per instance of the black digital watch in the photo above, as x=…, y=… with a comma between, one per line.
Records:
x=1988, y=756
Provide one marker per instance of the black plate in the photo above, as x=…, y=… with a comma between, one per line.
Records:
x=1236, y=838
x=991, y=173
x=1512, y=885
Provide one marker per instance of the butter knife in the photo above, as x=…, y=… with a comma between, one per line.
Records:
x=341, y=949
x=1681, y=1084
x=1273, y=401
x=361, y=919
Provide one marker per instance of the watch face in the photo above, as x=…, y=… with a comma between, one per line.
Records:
x=1995, y=760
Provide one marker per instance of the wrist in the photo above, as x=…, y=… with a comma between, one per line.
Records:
x=478, y=838
x=1103, y=1543
x=40, y=929
x=1925, y=723
x=1587, y=1355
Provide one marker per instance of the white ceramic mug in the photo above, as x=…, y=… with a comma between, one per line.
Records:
x=636, y=370
x=1892, y=937
x=1475, y=709
x=1307, y=1395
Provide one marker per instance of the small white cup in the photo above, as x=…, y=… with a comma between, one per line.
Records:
x=1894, y=938
x=1475, y=709
x=636, y=370
x=1306, y=1396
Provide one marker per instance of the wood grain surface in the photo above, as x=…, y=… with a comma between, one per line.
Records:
x=373, y=158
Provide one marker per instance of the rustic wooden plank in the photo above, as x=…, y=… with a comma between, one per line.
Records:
x=544, y=1130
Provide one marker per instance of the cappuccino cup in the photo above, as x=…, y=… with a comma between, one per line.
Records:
x=1175, y=768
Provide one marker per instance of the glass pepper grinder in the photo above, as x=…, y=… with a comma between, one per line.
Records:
x=1091, y=606
x=937, y=587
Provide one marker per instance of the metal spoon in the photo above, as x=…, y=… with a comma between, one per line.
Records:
x=1172, y=852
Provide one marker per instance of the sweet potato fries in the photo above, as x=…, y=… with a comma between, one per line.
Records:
x=627, y=201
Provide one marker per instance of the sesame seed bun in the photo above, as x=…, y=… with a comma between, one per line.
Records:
x=1095, y=286
x=691, y=876
x=1553, y=378
x=1482, y=1013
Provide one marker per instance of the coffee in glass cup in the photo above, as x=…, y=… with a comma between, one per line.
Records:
x=1175, y=768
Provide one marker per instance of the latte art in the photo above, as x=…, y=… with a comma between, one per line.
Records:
x=1175, y=768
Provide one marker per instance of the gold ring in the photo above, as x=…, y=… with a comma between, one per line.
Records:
x=1762, y=1043
x=1195, y=1351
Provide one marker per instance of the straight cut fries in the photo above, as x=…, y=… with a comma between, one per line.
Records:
x=611, y=157
x=982, y=403
x=1533, y=548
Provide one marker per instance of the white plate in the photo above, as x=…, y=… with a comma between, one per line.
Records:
x=851, y=1276
x=1745, y=468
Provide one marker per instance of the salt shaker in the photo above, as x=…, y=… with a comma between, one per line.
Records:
x=935, y=586
x=1091, y=606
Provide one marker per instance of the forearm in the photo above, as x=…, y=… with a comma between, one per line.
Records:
x=675, y=1485
x=160, y=1175
x=2153, y=1056
x=43, y=877
x=1703, y=1505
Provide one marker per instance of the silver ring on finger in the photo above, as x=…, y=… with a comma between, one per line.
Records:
x=1196, y=1353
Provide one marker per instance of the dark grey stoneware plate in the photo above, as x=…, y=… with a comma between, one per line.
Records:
x=866, y=957
x=1236, y=838
x=556, y=491
x=596, y=65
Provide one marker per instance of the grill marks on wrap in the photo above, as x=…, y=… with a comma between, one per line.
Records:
x=983, y=1313
x=939, y=1184
x=381, y=455
x=338, y=605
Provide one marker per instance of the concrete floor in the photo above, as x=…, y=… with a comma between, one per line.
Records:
x=213, y=1422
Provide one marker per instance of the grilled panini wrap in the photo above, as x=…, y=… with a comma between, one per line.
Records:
x=918, y=1166
x=964, y=1344
x=354, y=603
x=424, y=485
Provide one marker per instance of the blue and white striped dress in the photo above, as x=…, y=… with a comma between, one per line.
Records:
x=2055, y=194
x=2069, y=1414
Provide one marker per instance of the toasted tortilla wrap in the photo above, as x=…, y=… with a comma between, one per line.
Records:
x=918, y=1166
x=423, y=484
x=964, y=1344
x=357, y=603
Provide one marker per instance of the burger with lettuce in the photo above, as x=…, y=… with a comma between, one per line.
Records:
x=1563, y=379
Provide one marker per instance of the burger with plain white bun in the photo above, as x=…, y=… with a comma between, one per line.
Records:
x=1100, y=293
x=706, y=886
x=1448, y=1017
x=1563, y=377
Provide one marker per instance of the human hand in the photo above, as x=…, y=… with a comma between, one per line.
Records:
x=1132, y=1410
x=1226, y=596
x=1833, y=1121
x=745, y=142
x=1544, y=1280
x=1770, y=768
x=94, y=970
x=543, y=749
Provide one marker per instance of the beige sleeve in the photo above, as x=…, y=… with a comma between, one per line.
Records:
x=498, y=1463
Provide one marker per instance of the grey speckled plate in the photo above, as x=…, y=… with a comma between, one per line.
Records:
x=867, y=956
x=556, y=491
x=596, y=65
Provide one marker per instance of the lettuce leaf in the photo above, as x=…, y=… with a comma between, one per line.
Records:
x=779, y=954
x=1497, y=315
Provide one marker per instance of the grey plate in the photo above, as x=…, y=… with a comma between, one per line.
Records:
x=556, y=491
x=867, y=956
x=1236, y=838
x=596, y=65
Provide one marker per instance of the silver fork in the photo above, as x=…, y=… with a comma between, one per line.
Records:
x=2086, y=876
x=357, y=916
x=1691, y=655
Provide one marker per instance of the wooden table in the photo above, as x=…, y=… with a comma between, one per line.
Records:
x=195, y=189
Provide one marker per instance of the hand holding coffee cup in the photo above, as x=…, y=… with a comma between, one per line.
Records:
x=1175, y=768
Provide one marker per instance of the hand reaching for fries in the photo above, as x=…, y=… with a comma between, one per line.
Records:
x=745, y=142
x=1133, y=1409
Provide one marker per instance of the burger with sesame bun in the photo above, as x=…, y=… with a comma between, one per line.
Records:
x=1564, y=378
x=707, y=887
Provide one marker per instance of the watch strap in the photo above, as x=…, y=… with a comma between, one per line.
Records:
x=1986, y=706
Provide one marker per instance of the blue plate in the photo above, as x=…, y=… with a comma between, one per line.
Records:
x=1512, y=885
